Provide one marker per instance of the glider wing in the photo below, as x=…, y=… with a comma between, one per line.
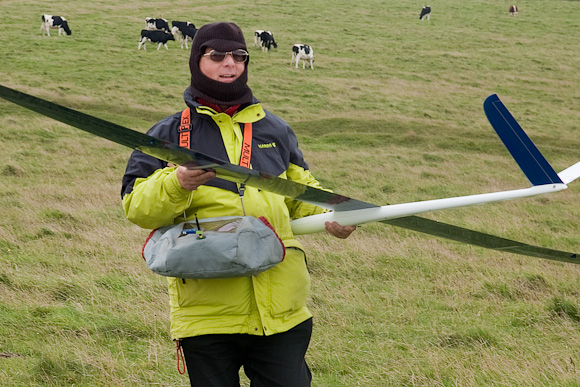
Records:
x=172, y=153
x=480, y=239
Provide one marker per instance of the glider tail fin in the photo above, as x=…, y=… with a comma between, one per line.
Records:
x=531, y=161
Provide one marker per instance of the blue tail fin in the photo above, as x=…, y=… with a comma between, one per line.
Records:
x=531, y=161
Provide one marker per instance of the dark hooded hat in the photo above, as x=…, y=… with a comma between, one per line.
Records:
x=219, y=36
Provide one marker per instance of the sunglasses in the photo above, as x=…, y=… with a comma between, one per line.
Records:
x=239, y=56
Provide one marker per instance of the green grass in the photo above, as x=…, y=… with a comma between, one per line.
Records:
x=392, y=113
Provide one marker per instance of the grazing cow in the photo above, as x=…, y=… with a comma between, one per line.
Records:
x=159, y=37
x=513, y=10
x=59, y=22
x=267, y=41
x=303, y=52
x=157, y=24
x=425, y=13
x=183, y=31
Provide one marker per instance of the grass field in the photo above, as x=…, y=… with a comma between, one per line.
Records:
x=391, y=113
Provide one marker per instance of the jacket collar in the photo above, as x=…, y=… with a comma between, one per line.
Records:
x=249, y=113
x=229, y=111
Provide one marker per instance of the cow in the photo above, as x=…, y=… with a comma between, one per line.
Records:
x=425, y=13
x=303, y=52
x=59, y=22
x=159, y=37
x=157, y=24
x=257, y=40
x=267, y=41
x=183, y=31
x=513, y=10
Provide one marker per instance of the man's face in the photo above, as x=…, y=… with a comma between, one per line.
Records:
x=226, y=71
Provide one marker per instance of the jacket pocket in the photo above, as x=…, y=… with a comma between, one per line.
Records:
x=290, y=283
x=212, y=297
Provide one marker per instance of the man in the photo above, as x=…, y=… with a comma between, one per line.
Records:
x=260, y=322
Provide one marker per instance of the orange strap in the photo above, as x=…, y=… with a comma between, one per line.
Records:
x=246, y=146
x=185, y=137
x=185, y=129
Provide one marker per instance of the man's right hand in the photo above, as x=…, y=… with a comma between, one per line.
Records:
x=191, y=178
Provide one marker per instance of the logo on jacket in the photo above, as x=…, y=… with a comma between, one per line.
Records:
x=269, y=145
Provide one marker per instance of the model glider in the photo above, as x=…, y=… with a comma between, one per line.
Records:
x=346, y=210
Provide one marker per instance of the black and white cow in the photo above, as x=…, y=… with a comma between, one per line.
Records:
x=156, y=24
x=57, y=22
x=266, y=40
x=183, y=31
x=303, y=52
x=425, y=13
x=159, y=37
x=513, y=10
x=257, y=40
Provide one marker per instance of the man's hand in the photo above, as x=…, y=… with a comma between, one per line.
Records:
x=339, y=231
x=191, y=178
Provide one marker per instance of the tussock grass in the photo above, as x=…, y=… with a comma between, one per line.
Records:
x=392, y=113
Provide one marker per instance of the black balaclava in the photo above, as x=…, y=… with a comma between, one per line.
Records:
x=221, y=37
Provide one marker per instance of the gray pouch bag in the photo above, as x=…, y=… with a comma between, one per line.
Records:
x=232, y=246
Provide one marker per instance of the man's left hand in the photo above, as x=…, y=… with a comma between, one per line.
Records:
x=339, y=231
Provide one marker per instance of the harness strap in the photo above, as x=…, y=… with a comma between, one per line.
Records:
x=246, y=146
x=185, y=129
x=246, y=154
x=185, y=137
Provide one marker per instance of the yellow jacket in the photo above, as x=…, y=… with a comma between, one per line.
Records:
x=273, y=301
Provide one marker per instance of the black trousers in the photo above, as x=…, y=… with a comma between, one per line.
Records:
x=268, y=361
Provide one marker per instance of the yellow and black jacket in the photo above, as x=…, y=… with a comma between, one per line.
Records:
x=271, y=302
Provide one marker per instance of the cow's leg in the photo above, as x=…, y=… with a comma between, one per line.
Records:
x=159, y=46
x=165, y=44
